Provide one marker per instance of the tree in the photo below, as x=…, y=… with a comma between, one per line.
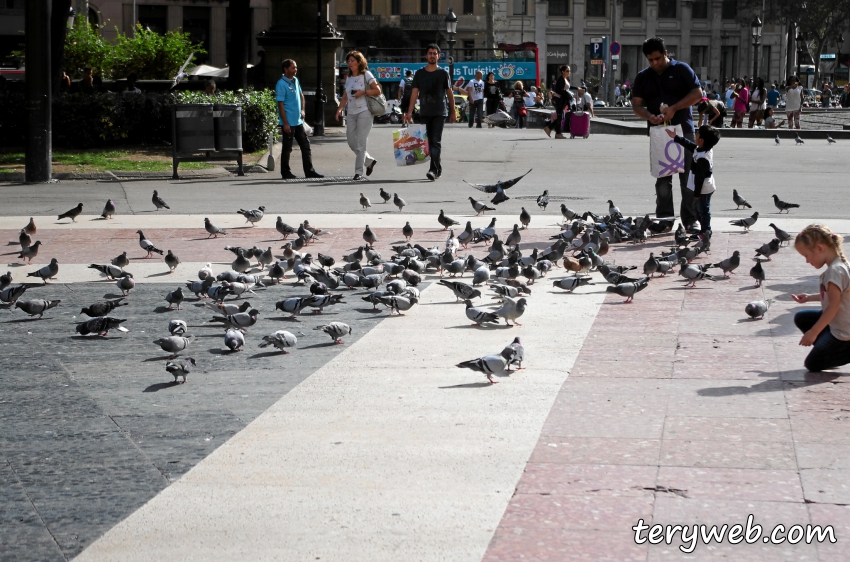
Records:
x=490, y=33
x=240, y=43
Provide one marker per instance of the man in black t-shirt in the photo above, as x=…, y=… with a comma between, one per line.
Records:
x=432, y=87
x=673, y=84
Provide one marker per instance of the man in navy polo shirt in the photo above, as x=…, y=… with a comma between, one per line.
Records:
x=674, y=84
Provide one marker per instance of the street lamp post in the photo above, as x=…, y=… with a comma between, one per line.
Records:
x=451, y=29
x=319, y=128
x=800, y=42
x=755, y=28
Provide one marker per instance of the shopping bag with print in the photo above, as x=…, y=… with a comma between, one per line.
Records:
x=410, y=145
x=666, y=157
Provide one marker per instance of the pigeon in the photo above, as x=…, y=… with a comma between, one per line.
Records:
x=783, y=205
x=479, y=316
x=446, y=221
x=241, y=264
x=407, y=231
x=730, y=264
x=293, y=305
x=284, y=229
x=757, y=309
x=481, y=275
x=746, y=222
x=147, y=245
x=212, y=229
x=319, y=302
x=100, y=325
x=335, y=330
x=398, y=303
x=768, y=249
x=500, y=197
x=524, y=217
x=570, y=284
x=680, y=236
x=369, y=236
x=757, y=273
x=111, y=271
x=568, y=213
x=173, y=344
x=238, y=321
x=229, y=308
x=479, y=206
x=125, y=284
x=612, y=209
x=830, y=140
x=692, y=273
x=254, y=215
x=543, y=200
x=30, y=227
x=171, y=261
x=398, y=201
x=72, y=214
x=498, y=186
x=511, y=309
x=281, y=339
x=12, y=293
x=489, y=364
x=121, y=261
x=234, y=340
x=158, y=201
x=180, y=367
x=175, y=297
x=651, y=265
x=47, y=272
x=629, y=290
x=5, y=280
x=181, y=75
x=516, y=352
x=514, y=238
x=384, y=195
x=36, y=306
x=177, y=327
x=798, y=140
x=739, y=201
x=776, y=140
x=465, y=237
x=24, y=239
x=30, y=252
x=461, y=290
x=108, y=209
x=783, y=236
x=364, y=202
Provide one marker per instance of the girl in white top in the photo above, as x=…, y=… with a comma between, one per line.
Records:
x=793, y=102
x=359, y=84
x=828, y=329
x=758, y=103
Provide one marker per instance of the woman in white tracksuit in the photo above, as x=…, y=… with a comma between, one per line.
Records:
x=359, y=84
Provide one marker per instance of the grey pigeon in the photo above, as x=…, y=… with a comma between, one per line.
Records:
x=200, y=288
x=292, y=305
x=180, y=367
x=147, y=245
x=511, y=309
x=757, y=309
x=121, y=261
x=108, y=209
x=125, y=284
x=446, y=221
x=692, y=273
x=465, y=237
x=783, y=236
x=398, y=201
x=798, y=140
x=364, y=202
x=746, y=222
x=507, y=290
x=502, y=185
x=384, y=195
x=158, y=202
x=568, y=213
x=111, y=271
x=175, y=297
x=776, y=140
x=173, y=344
x=36, y=306
x=461, y=290
x=30, y=252
x=524, y=217
x=784, y=205
x=72, y=214
x=5, y=280
x=24, y=239
x=407, y=230
x=571, y=283
x=284, y=228
x=234, y=340
x=739, y=201
x=171, y=261
x=319, y=302
x=239, y=321
x=768, y=249
x=212, y=229
x=281, y=339
x=514, y=238
x=398, y=303
x=100, y=325
x=481, y=275
x=730, y=264
x=629, y=290
x=516, y=352
x=489, y=364
x=757, y=273
x=543, y=200
x=335, y=330
x=830, y=140
x=30, y=227
x=369, y=236
x=253, y=215
x=612, y=209
x=479, y=206
x=478, y=315
x=229, y=308
x=177, y=327
x=651, y=265
x=241, y=264
x=47, y=272
x=12, y=293
x=499, y=197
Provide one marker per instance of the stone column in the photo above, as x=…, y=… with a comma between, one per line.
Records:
x=577, y=48
x=651, y=17
x=541, y=18
x=715, y=7
x=685, y=24
x=218, y=36
x=175, y=17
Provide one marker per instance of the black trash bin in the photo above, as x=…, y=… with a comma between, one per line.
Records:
x=228, y=126
x=194, y=130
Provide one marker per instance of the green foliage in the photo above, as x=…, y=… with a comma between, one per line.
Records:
x=150, y=55
x=260, y=111
x=84, y=47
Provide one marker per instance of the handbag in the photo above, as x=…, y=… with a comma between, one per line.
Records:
x=377, y=104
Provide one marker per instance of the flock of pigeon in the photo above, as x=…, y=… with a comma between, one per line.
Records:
x=799, y=141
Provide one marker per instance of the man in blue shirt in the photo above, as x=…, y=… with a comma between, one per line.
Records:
x=673, y=84
x=290, y=103
x=773, y=97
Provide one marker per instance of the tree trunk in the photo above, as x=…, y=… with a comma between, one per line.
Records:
x=821, y=45
x=790, y=51
x=490, y=33
x=58, y=28
x=240, y=42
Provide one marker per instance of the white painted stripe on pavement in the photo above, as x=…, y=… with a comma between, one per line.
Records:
x=378, y=455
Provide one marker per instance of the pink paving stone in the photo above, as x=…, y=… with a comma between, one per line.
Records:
x=587, y=480
x=596, y=450
x=826, y=485
x=726, y=454
x=513, y=544
x=741, y=484
x=723, y=371
x=838, y=516
x=625, y=368
x=821, y=427
x=736, y=430
x=823, y=455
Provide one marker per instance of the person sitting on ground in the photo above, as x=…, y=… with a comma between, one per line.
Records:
x=584, y=101
x=769, y=119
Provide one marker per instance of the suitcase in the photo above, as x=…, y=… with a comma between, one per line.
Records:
x=579, y=124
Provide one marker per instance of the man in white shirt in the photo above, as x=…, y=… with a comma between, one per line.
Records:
x=585, y=101
x=475, y=91
x=793, y=102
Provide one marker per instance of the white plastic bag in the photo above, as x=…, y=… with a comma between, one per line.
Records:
x=410, y=145
x=665, y=156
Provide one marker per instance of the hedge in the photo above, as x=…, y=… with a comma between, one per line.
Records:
x=107, y=119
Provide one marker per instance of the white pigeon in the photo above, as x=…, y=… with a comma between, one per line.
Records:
x=281, y=339
x=181, y=74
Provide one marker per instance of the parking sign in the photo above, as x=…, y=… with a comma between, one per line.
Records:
x=597, y=50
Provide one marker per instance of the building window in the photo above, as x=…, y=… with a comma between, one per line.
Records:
x=468, y=7
x=559, y=7
x=667, y=9
x=728, y=62
x=699, y=61
x=153, y=18
x=520, y=7
x=363, y=7
x=595, y=8
x=764, y=64
x=469, y=49
x=699, y=10
x=196, y=22
x=435, y=6
x=395, y=7
x=673, y=51
x=729, y=10
x=632, y=8
x=10, y=4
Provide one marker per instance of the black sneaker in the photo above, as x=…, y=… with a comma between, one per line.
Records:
x=288, y=176
x=370, y=167
x=314, y=174
x=431, y=175
x=357, y=177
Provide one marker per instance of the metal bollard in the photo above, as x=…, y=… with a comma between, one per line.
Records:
x=270, y=163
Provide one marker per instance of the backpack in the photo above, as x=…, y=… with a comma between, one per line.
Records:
x=408, y=88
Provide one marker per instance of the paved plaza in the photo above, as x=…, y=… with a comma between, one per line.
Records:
x=676, y=409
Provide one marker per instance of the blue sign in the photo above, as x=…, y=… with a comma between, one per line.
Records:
x=615, y=48
x=597, y=51
x=504, y=70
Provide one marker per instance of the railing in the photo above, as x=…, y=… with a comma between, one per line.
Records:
x=424, y=21
x=358, y=22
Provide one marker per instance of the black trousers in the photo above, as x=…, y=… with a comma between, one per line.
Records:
x=434, y=126
x=476, y=108
x=560, y=104
x=492, y=106
x=300, y=137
